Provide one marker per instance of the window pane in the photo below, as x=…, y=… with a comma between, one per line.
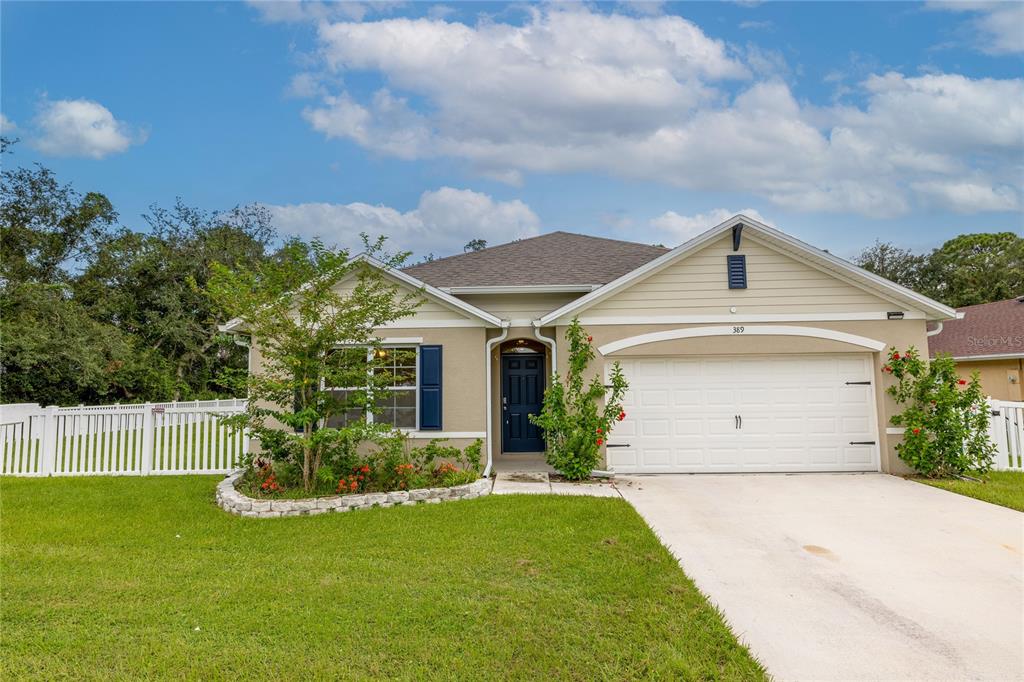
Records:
x=405, y=417
x=397, y=408
x=347, y=417
x=400, y=365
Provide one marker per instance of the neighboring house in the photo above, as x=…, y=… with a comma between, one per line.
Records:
x=989, y=340
x=745, y=349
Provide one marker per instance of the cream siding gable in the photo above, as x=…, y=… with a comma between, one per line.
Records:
x=777, y=284
x=521, y=309
x=431, y=313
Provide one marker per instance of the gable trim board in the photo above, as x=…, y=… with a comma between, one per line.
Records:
x=446, y=299
x=442, y=296
x=784, y=317
x=766, y=330
x=771, y=238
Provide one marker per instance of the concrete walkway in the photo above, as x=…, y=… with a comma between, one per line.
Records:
x=538, y=482
x=849, y=577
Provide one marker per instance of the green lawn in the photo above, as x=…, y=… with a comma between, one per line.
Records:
x=124, y=578
x=1005, y=488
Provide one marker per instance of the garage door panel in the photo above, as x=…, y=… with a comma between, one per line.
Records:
x=654, y=427
x=858, y=454
x=721, y=426
x=653, y=398
x=687, y=398
x=857, y=426
x=688, y=427
x=798, y=414
x=717, y=397
x=686, y=369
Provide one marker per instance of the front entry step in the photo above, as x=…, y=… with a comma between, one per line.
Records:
x=519, y=482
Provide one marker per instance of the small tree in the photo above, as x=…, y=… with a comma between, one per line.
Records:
x=575, y=425
x=312, y=336
x=945, y=418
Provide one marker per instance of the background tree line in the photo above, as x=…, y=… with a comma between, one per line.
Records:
x=966, y=270
x=94, y=312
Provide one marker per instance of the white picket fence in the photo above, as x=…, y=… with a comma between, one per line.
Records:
x=121, y=440
x=1006, y=427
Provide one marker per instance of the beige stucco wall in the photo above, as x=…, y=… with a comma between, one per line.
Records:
x=995, y=376
x=520, y=309
x=776, y=283
x=899, y=333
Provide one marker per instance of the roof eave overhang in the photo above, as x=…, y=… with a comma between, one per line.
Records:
x=989, y=356
x=523, y=289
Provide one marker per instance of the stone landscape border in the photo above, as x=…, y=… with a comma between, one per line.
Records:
x=230, y=500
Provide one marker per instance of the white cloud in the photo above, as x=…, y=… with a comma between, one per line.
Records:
x=81, y=127
x=304, y=85
x=652, y=98
x=674, y=229
x=7, y=126
x=296, y=11
x=969, y=197
x=996, y=26
x=442, y=223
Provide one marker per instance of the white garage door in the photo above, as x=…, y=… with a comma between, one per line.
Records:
x=747, y=413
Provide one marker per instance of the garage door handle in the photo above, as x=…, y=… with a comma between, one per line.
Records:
x=862, y=442
x=617, y=445
x=858, y=383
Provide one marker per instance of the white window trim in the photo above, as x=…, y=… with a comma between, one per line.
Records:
x=409, y=342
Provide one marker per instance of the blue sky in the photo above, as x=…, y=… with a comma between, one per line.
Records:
x=437, y=123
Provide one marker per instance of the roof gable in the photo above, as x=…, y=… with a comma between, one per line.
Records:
x=442, y=301
x=554, y=259
x=779, y=241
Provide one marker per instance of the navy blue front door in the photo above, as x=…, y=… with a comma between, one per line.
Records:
x=522, y=392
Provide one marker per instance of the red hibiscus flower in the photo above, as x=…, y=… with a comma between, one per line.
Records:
x=599, y=430
x=622, y=415
x=962, y=382
x=600, y=440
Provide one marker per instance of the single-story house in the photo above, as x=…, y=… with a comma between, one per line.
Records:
x=987, y=339
x=746, y=350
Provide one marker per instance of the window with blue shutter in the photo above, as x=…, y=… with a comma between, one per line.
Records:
x=737, y=267
x=430, y=388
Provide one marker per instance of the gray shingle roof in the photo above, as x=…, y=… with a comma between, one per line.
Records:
x=986, y=329
x=556, y=258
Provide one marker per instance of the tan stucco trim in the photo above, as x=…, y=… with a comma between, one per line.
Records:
x=741, y=330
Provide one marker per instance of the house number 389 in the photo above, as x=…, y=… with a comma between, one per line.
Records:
x=737, y=330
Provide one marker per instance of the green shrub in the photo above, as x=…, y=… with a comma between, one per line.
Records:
x=945, y=418
x=575, y=426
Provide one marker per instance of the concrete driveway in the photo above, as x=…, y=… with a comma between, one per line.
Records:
x=850, y=576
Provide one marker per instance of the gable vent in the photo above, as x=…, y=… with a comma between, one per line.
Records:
x=737, y=267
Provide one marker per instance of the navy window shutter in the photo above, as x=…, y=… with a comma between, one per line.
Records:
x=737, y=267
x=430, y=388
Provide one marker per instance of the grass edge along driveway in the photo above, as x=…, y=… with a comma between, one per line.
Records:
x=144, y=577
x=1005, y=488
